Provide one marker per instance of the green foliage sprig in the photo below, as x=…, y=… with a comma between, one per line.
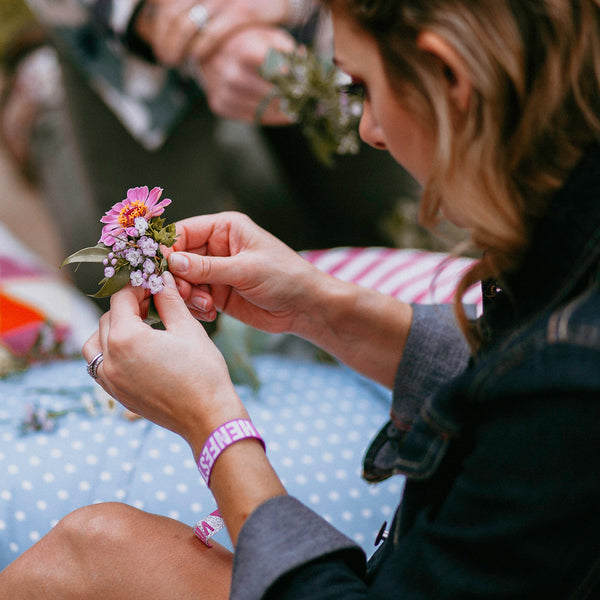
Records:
x=313, y=93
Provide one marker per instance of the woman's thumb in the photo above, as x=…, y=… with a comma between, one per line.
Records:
x=170, y=305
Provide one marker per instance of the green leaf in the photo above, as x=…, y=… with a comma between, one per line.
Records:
x=114, y=284
x=93, y=254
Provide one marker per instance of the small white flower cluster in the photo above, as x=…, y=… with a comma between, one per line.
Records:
x=138, y=250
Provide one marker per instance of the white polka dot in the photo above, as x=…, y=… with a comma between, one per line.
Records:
x=77, y=445
x=105, y=476
x=293, y=444
x=160, y=495
x=147, y=477
x=174, y=514
x=334, y=496
x=169, y=470
x=134, y=443
x=126, y=466
x=34, y=536
x=70, y=468
x=347, y=515
x=13, y=547
x=341, y=474
x=120, y=494
x=301, y=479
x=196, y=507
x=175, y=448
x=48, y=477
x=13, y=469
x=314, y=499
x=98, y=438
x=354, y=493
x=34, y=461
x=386, y=510
x=20, y=447
x=27, y=485
x=327, y=457
x=56, y=453
x=85, y=426
x=138, y=504
x=63, y=494
x=112, y=451
x=354, y=436
x=307, y=459
x=154, y=453
x=2, y=525
x=5, y=495
x=287, y=461
x=91, y=459
x=182, y=488
x=41, y=504
x=320, y=477
x=20, y=515
x=120, y=430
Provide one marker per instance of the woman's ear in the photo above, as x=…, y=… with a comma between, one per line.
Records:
x=459, y=82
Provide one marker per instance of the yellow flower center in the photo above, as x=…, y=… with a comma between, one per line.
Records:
x=131, y=212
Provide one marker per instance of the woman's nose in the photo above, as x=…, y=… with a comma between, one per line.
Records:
x=369, y=130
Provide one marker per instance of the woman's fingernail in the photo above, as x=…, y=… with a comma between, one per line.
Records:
x=178, y=262
x=200, y=303
x=169, y=280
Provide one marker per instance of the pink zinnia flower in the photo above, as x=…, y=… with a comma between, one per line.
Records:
x=121, y=217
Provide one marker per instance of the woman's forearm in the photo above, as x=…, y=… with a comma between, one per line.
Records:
x=363, y=328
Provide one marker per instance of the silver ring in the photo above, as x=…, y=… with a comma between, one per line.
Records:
x=198, y=15
x=93, y=365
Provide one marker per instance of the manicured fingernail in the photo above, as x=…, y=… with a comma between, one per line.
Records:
x=169, y=280
x=178, y=262
x=200, y=303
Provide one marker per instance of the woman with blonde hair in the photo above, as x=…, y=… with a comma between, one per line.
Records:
x=494, y=106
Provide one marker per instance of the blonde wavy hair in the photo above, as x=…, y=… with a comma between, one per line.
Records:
x=535, y=109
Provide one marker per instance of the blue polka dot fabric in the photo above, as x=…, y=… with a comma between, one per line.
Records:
x=317, y=420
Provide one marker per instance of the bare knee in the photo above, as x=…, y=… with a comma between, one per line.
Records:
x=97, y=526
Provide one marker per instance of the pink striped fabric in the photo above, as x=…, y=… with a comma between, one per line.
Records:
x=417, y=276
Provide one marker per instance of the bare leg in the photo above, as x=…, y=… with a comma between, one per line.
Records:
x=114, y=551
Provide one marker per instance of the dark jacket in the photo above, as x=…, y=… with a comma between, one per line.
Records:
x=503, y=487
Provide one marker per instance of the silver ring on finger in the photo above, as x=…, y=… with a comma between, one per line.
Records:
x=199, y=16
x=93, y=365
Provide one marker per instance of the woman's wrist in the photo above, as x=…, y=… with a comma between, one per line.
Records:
x=363, y=328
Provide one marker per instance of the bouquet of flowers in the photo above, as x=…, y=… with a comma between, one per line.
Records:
x=315, y=94
x=129, y=247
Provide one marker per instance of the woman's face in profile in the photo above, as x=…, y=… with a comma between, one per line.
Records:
x=385, y=123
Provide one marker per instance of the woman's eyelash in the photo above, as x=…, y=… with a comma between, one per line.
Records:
x=353, y=89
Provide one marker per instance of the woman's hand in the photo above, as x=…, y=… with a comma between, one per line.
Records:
x=174, y=377
x=226, y=262
x=230, y=77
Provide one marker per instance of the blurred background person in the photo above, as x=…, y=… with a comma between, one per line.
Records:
x=165, y=92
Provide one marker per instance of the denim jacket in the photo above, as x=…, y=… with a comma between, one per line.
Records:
x=502, y=491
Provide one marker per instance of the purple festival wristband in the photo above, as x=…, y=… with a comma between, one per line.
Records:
x=223, y=436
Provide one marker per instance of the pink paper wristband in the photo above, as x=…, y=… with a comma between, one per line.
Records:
x=223, y=436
